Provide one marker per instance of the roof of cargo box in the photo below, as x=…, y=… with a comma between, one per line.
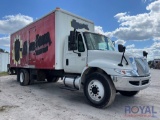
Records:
x=57, y=9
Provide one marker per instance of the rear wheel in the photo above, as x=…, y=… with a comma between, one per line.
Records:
x=99, y=90
x=24, y=77
x=10, y=71
x=128, y=93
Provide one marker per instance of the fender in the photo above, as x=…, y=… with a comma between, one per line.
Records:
x=106, y=66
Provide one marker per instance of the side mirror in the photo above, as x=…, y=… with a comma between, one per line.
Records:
x=145, y=54
x=72, y=37
x=72, y=44
x=121, y=48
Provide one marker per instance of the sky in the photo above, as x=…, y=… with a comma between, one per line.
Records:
x=133, y=23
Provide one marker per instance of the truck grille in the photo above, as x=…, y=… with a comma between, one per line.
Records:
x=134, y=83
x=142, y=66
x=145, y=82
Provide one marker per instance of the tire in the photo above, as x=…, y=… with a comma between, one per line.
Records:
x=24, y=77
x=128, y=93
x=10, y=71
x=99, y=90
x=52, y=79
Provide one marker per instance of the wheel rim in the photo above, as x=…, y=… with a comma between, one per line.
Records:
x=21, y=77
x=96, y=90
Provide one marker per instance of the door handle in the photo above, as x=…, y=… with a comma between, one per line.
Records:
x=67, y=62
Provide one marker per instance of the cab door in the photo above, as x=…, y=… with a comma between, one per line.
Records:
x=76, y=60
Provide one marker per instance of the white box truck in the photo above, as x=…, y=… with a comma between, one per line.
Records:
x=64, y=45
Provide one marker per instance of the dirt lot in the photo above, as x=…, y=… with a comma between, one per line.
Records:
x=48, y=101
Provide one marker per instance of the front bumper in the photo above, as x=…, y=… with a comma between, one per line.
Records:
x=131, y=83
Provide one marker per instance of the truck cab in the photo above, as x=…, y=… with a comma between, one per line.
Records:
x=94, y=57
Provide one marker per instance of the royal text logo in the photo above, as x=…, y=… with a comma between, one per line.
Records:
x=140, y=111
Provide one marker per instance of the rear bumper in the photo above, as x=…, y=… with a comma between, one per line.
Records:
x=131, y=83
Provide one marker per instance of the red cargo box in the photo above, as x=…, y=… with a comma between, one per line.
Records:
x=34, y=45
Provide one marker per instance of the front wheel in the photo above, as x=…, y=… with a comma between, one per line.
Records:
x=128, y=93
x=99, y=90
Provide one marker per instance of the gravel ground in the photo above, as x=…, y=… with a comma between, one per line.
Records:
x=48, y=101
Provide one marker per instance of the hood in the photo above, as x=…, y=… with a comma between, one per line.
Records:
x=113, y=58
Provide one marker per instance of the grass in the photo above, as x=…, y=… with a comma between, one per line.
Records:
x=3, y=74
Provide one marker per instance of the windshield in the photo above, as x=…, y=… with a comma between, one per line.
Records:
x=98, y=42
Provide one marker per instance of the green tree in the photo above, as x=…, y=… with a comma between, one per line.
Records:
x=2, y=50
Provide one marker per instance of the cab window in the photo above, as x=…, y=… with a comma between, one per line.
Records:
x=80, y=44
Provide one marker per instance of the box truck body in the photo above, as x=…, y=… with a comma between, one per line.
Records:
x=64, y=45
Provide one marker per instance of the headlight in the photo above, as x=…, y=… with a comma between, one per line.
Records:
x=127, y=72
